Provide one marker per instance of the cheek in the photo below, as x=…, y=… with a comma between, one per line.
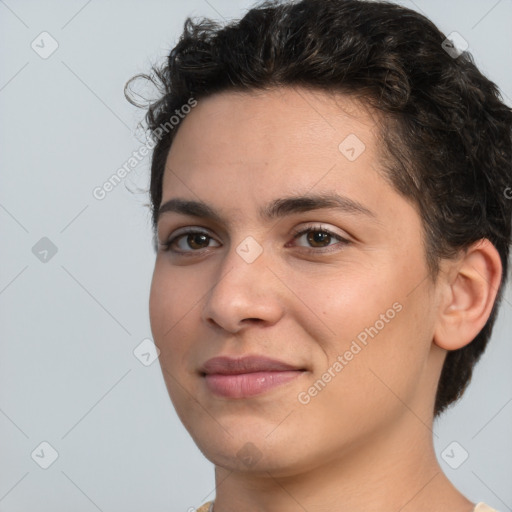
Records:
x=171, y=303
x=173, y=295
x=346, y=302
x=366, y=382
x=370, y=319
x=160, y=306
x=170, y=306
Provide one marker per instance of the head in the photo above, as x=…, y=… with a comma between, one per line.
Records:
x=281, y=102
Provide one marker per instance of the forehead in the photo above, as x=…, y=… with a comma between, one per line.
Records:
x=248, y=121
x=243, y=147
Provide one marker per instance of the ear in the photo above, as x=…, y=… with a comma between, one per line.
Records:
x=468, y=290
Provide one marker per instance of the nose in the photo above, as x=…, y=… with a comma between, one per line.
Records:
x=244, y=293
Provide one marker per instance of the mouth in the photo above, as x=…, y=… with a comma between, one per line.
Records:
x=247, y=376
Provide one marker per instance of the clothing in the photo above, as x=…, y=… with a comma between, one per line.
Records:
x=480, y=507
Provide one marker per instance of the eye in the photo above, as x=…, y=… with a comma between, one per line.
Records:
x=320, y=238
x=194, y=239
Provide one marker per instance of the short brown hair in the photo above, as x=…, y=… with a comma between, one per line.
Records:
x=447, y=136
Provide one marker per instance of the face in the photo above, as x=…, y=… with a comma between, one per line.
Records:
x=332, y=287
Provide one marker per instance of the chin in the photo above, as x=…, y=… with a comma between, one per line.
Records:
x=248, y=447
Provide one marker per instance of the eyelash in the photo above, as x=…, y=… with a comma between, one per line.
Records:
x=166, y=246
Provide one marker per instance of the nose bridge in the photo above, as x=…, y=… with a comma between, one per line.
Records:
x=245, y=289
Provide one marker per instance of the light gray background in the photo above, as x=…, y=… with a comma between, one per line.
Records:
x=69, y=326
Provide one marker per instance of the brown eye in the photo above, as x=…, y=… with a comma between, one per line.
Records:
x=318, y=237
x=188, y=242
x=197, y=240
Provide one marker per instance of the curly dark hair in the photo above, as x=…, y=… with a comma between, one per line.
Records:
x=445, y=131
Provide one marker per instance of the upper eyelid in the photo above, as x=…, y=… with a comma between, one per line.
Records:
x=320, y=226
x=183, y=229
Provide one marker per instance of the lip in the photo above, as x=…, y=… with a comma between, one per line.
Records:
x=246, y=376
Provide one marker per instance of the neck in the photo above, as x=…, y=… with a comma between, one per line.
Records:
x=393, y=471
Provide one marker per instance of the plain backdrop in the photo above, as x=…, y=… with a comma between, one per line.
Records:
x=75, y=271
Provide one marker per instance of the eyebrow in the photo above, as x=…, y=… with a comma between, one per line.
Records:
x=277, y=208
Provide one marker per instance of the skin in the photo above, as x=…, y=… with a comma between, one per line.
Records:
x=364, y=442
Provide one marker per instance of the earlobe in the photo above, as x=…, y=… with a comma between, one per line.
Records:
x=468, y=296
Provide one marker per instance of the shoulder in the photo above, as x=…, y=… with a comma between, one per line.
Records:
x=482, y=507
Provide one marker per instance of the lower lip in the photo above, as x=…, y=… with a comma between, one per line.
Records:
x=248, y=384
